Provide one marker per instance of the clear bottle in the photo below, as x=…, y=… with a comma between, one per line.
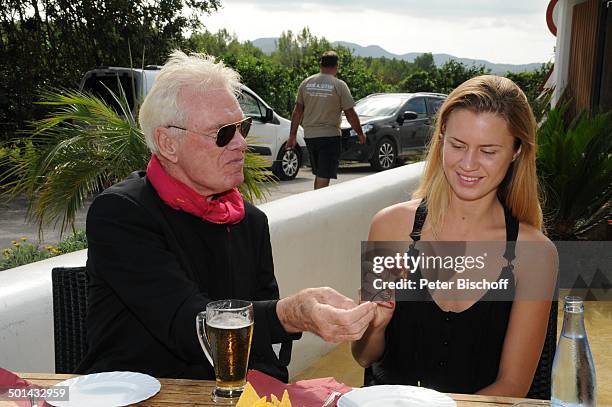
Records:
x=573, y=371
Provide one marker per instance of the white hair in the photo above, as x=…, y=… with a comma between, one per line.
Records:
x=194, y=71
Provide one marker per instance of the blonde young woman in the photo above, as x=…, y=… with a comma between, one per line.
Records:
x=479, y=185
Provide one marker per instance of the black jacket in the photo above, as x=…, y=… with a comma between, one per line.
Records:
x=152, y=269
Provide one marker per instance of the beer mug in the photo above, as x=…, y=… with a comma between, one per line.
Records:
x=225, y=331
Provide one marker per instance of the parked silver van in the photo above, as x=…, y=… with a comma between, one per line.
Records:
x=269, y=132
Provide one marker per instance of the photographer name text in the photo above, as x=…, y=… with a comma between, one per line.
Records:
x=423, y=283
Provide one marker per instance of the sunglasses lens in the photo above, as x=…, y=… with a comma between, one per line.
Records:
x=245, y=126
x=226, y=133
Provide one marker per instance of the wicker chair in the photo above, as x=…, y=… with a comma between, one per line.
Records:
x=540, y=386
x=69, y=312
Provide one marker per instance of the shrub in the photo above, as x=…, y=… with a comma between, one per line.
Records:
x=575, y=169
x=77, y=241
x=22, y=252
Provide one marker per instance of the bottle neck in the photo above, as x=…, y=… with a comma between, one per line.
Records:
x=573, y=321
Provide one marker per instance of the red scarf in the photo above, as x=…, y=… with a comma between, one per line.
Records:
x=227, y=207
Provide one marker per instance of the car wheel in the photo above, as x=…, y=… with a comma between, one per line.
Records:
x=287, y=164
x=385, y=155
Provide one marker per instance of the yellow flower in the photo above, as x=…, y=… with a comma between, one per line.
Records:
x=6, y=253
x=13, y=241
x=16, y=244
x=23, y=239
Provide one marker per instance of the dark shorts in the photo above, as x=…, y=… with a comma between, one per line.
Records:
x=324, y=155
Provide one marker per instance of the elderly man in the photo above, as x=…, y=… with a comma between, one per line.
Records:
x=164, y=243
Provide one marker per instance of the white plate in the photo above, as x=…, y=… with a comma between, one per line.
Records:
x=395, y=396
x=108, y=389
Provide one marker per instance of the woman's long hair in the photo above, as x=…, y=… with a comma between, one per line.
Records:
x=519, y=190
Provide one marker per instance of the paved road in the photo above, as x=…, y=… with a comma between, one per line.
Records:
x=305, y=180
x=13, y=223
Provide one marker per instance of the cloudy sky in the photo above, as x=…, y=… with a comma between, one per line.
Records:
x=502, y=31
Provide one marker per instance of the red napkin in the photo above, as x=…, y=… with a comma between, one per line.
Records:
x=11, y=380
x=304, y=393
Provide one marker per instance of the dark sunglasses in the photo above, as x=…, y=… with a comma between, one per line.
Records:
x=226, y=133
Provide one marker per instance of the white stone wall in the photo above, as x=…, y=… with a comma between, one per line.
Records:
x=26, y=314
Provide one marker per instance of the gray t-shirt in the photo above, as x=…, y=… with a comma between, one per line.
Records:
x=324, y=97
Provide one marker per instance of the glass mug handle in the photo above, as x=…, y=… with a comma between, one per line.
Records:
x=202, y=337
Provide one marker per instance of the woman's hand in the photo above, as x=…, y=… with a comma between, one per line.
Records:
x=384, y=300
x=383, y=314
x=371, y=346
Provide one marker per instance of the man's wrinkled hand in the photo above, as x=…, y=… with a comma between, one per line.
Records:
x=326, y=313
x=362, y=138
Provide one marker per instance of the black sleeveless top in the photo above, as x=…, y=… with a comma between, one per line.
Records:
x=446, y=351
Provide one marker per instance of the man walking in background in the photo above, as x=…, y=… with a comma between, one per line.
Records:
x=320, y=102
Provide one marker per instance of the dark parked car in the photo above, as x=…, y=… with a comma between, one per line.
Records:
x=396, y=125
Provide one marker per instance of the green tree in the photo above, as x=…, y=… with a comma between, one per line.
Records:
x=390, y=71
x=221, y=44
x=532, y=83
x=275, y=83
x=420, y=81
x=425, y=62
x=300, y=52
x=453, y=73
x=51, y=43
x=354, y=72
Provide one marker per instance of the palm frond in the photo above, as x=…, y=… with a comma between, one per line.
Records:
x=256, y=176
x=575, y=168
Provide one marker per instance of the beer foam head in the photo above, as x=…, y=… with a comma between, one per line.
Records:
x=228, y=321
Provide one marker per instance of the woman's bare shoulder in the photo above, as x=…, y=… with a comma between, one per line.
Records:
x=531, y=240
x=394, y=222
x=529, y=233
x=536, y=265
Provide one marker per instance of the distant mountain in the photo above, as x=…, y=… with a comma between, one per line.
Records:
x=268, y=45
